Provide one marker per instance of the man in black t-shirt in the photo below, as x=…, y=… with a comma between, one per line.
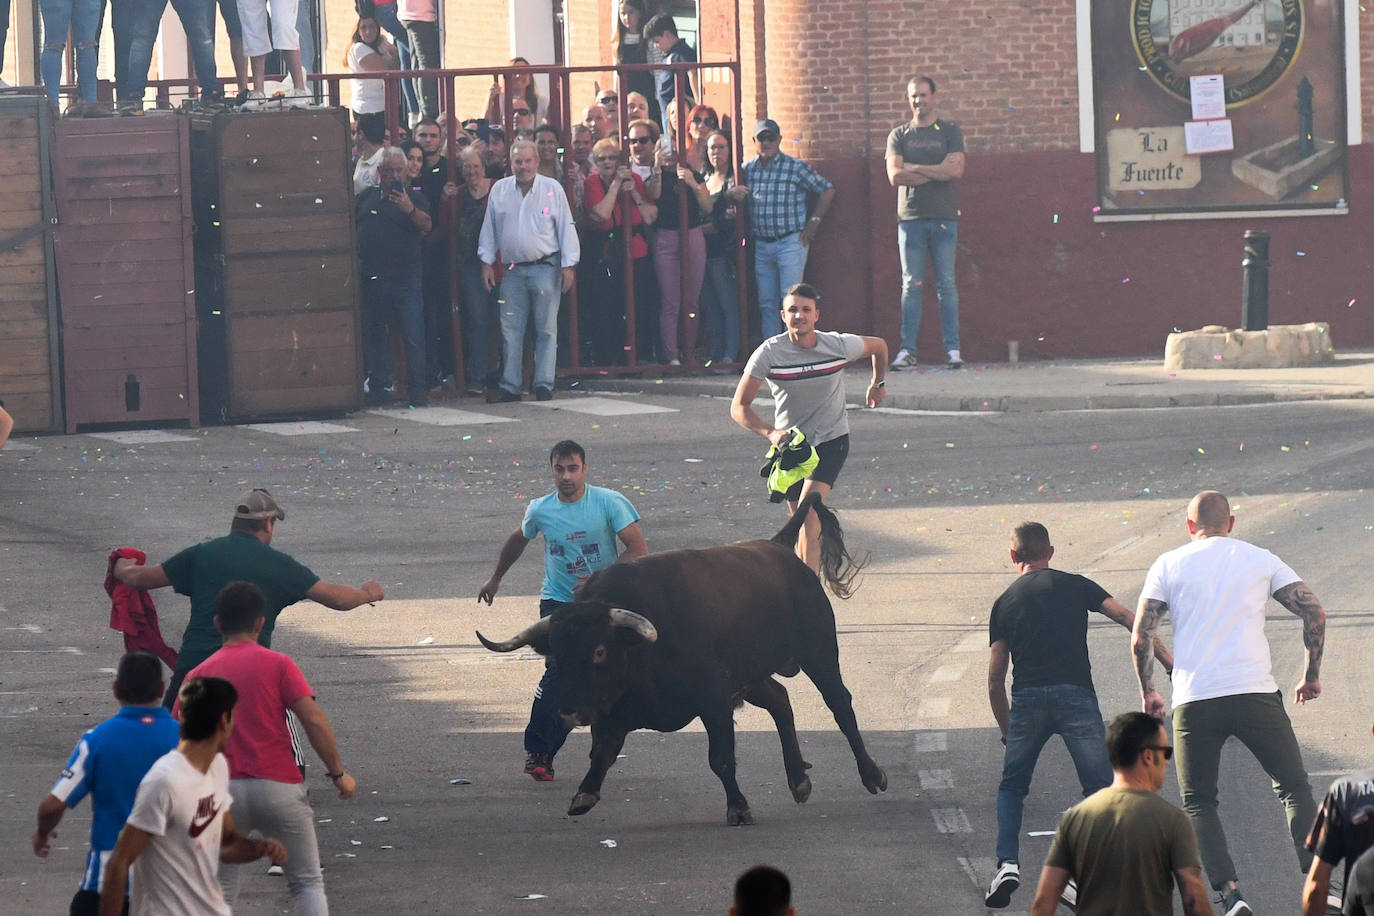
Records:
x=1041, y=623
x=1343, y=830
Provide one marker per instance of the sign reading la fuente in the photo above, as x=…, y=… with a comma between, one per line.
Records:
x=1281, y=65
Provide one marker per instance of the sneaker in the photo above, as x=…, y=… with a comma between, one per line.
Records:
x=1233, y=904
x=1069, y=896
x=543, y=394
x=501, y=396
x=954, y=361
x=905, y=360
x=252, y=100
x=275, y=871
x=675, y=362
x=300, y=98
x=129, y=108
x=539, y=766
x=1004, y=883
x=1333, y=903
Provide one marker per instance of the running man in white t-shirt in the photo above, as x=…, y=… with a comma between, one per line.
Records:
x=804, y=369
x=180, y=829
x=1216, y=588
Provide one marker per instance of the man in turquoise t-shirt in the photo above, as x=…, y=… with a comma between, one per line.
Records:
x=246, y=554
x=580, y=525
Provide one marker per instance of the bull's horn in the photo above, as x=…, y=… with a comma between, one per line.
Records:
x=523, y=638
x=637, y=622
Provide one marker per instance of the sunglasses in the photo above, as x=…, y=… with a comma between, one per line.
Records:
x=707, y=119
x=639, y=141
x=1164, y=749
x=608, y=100
x=520, y=112
x=463, y=140
x=767, y=138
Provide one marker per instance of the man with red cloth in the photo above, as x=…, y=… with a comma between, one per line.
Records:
x=133, y=612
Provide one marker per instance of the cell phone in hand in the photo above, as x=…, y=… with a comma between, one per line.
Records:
x=397, y=187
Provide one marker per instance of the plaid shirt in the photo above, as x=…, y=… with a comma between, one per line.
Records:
x=778, y=195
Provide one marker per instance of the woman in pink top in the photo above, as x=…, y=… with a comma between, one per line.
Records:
x=421, y=21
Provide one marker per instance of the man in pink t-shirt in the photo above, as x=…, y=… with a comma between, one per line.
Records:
x=267, y=779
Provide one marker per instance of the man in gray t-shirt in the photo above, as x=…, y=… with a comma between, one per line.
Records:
x=925, y=160
x=804, y=369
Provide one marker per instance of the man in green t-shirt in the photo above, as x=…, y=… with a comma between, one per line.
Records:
x=1121, y=850
x=246, y=554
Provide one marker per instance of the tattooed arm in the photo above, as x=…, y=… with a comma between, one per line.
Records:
x=1115, y=610
x=1299, y=599
x=1147, y=618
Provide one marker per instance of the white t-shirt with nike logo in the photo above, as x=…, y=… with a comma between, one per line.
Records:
x=183, y=809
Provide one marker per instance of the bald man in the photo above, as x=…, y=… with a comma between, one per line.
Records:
x=1216, y=587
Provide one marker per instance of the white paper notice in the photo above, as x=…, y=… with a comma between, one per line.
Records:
x=1201, y=137
x=1209, y=97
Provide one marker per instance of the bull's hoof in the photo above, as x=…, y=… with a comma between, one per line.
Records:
x=583, y=802
x=738, y=817
x=802, y=790
x=875, y=779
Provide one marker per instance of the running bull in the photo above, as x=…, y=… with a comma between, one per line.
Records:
x=688, y=634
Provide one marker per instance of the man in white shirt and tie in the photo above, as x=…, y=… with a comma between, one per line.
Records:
x=529, y=224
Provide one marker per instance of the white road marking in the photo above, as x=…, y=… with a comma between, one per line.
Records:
x=924, y=413
x=930, y=742
x=67, y=650
x=951, y=820
x=441, y=416
x=933, y=708
x=972, y=642
x=306, y=428
x=12, y=446
x=974, y=866
x=935, y=779
x=602, y=407
x=142, y=437
x=947, y=673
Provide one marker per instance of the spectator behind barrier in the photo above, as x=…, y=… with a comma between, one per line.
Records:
x=644, y=137
x=630, y=47
x=700, y=122
x=720, y=290
x=479, y=306
x=601, y=293
x=521, y=86
x=662, y=32
x=420, y=19
x=368, y=134
x=582, y=141
x=594, y=117
x=637, y=105
x=369, y=52
x=391, y=220
x=679, y=260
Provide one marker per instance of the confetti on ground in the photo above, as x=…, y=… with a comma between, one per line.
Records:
x=1041, y=833
x=532, y=897
x=460, y=781
x=609, y=844
x=427, y=641
x=381, y=820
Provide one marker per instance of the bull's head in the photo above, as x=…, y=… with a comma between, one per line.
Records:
x=592, y=644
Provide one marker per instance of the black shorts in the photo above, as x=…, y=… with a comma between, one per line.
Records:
x=832, y=455
x=87, y=903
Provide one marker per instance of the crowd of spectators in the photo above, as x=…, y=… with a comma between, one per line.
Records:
x=651, y=252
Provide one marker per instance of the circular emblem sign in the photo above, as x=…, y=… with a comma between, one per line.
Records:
x=1251, y=43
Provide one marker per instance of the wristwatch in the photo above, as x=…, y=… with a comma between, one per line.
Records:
x=881, y=383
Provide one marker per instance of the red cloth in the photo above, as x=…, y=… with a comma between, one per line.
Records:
x=133, y=613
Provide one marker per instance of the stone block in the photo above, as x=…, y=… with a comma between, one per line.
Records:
x=1276, y=347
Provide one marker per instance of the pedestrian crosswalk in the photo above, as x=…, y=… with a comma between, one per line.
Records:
x=589, y=405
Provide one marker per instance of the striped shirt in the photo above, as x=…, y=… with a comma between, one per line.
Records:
x=108, y=763
x=808, y=383
x=778, y=195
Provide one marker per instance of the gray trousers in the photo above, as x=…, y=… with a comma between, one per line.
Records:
x=279, y=811
x=1259, y=721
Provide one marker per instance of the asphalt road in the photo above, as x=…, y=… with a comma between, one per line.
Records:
x=418, y=703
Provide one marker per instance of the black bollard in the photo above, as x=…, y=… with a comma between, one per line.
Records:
x=1254, y=293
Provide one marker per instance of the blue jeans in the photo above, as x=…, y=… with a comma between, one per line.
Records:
x=939, y=238
x=1037, y=713
x=479, y=313
x=383, y=296
x=777, y=265
x=720, y=300
x=197, y=20
x=386, y=18
x=530, y=290
x=83, y=18
x=424, y=49
x=546, y=732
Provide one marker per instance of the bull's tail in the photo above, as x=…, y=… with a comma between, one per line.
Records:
x=838, y=567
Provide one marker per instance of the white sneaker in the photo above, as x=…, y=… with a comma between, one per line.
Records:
x=954, y=361
x=905, y=360
x=275, y=871
x=1004, y=883
x=254, y=100
x=675, y=362
x=300, y=98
